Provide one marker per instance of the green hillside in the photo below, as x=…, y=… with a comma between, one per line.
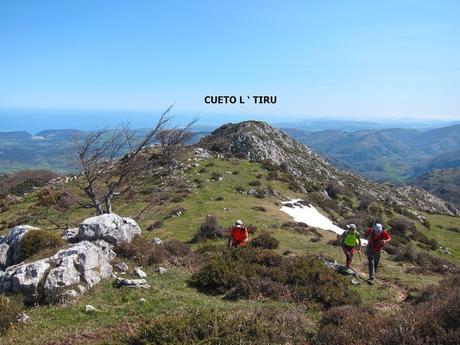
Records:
x=217, y=186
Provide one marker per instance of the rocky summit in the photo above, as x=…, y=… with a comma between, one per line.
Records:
x=259, y=141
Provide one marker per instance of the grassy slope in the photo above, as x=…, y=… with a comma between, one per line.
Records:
x=121, y=311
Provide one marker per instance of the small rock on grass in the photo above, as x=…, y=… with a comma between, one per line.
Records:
x=162, y=270
x=22, y=318
x=133, y=283
x=90, y=309
x=121, y=266
x=140, y=273
x=157, y=241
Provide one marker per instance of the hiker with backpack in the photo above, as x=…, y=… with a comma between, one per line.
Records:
x=238, y=235
x=350, y=241
x=377, y=237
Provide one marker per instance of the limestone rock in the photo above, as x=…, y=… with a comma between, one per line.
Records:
x=81, y=265
x=90, y=309
x=121, y=266
x=109, y=227
x=157, y=241
x=22, y=318
x=140, y=273
x=10, y=249
x=258, y=141
x=133, y=283
x=70, y=235
x=25, y=278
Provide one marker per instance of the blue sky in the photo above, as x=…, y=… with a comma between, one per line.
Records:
x=345, y=59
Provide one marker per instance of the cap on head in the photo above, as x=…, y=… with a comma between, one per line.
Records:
x=378, y=228
x=239, y=222
x=352, y=227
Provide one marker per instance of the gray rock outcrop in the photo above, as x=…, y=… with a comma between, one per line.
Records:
x=259, y=141
x=81, y=265
x=10, y=249
x=110, y=228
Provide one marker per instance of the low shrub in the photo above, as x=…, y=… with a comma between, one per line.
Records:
x=140, y=250
x=294, y=186
x=430, y=318
x=254, y=273
x=425, y=261
x=209, y=229
x=457, y=230
x=252, y=229
x=215, y=176
x=334, y=190
x=10, y=307
x=265, y=240
x=255, y=183
x=47, y=197
x=240, y=189
x=225, y=327
x=272, y=175
x=156, y=225
x=36, y=242
x=145, y=252
x=268, y=165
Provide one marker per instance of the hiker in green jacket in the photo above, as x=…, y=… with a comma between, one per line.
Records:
x=350, y=242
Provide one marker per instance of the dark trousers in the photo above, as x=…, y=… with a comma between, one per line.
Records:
x=373, y=259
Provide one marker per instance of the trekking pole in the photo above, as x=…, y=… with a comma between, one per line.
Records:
x=375, y=219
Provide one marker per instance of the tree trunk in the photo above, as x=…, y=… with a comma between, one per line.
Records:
x=90, y=192
x=108, y=201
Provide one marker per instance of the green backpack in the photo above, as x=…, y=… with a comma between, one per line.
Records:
x=350, y=239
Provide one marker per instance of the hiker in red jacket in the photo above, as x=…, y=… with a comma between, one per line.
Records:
x=377, y=238
x=238, y=235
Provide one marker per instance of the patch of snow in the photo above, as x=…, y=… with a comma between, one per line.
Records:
x=310, y=216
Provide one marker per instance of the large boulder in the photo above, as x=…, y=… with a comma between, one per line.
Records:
x=109, y=227
x=80, y=266
x=25, y=278
x=10, y=245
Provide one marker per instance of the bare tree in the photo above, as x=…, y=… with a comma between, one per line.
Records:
x=105, y=173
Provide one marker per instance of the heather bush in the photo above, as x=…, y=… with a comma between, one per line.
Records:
x=10, y=306
x=145, y=252
x=255, y=183
x=254, y=273
x=36, y=242
x=264, y=240
x=209, y=229
x=225, y=327
x=429, y=318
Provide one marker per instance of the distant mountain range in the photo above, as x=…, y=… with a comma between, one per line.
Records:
x=398, y=155
x=444, y=183
x=395, y=155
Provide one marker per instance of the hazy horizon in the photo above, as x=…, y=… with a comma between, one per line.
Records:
x=34, y=121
